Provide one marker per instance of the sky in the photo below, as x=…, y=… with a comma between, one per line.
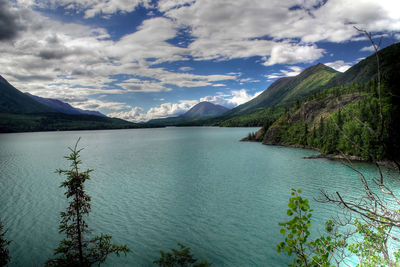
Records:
x=146, y=59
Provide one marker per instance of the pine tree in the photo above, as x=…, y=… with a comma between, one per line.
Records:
x=77, y=249
x=4, y=252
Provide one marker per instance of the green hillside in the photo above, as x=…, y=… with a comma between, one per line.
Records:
x=288, y=90
x=14, y=101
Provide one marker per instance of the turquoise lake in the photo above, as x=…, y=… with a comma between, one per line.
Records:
x=152, y=188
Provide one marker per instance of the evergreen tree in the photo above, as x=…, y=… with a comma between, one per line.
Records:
x=180, y=258
x=77, y=249
x=4, y=252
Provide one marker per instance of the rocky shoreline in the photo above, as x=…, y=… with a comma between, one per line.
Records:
x=335, y=157
x=384, y=163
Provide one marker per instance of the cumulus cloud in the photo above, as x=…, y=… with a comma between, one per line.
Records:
x=292, y=54
x=165, y=110
x=339, y=65
x=89, y=7
x=224, y=29
x=58, y=60
x=137, y=114
x=9, y=21
x=235, y=98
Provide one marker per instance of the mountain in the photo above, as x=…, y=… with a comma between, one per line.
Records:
x=288, y=90
x=285, y=92
x=198, y=115
x=62, y=106
x=14, y=101
x=204, y=109
x=21, y=113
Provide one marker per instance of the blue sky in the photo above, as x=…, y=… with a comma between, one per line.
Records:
x=144, y=59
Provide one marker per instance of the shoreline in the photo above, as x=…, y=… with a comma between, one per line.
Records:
x=335, y=157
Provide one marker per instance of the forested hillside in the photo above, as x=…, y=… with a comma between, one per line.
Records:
x=330, y=122
x=345, y=118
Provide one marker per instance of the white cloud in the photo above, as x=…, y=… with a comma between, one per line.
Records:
x=95, y=104
x=225, y=29
x=90, y=8
x=137, y=85
x=368, y=49
x=185, y=69
x=339, y=65
x=292, y=71
x=235, y=98
x=58, y=60
x=291, y=54
x=165, y=5
x=248, y=80
x=137, y=114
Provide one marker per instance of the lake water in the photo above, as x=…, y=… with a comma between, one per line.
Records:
x=152, y=188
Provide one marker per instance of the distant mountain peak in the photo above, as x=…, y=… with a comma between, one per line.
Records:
x=318, y=67
x=205, y=109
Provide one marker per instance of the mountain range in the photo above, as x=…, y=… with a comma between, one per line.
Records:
x=21, y=112
x=317, y=109
x=287, y=91
x=63, y=107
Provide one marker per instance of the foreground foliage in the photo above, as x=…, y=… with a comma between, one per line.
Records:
x=77, y=249
x=369, y=242
x=320, y=251
x=179, y=258
x=4, y=243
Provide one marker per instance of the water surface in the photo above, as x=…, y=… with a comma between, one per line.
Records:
x=152, y=188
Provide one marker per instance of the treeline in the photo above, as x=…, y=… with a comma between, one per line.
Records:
x=10, y=123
